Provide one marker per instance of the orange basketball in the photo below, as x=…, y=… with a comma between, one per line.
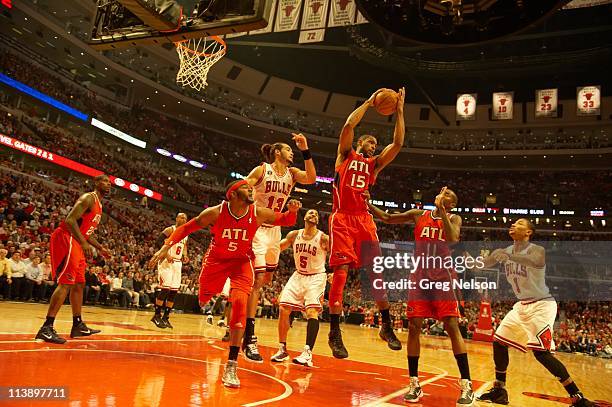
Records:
x=386, y=102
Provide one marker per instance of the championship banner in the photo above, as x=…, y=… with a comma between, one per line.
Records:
x=309, y=36
x=361, y=18
x=546, y=103
x=588, y=100
x=314, y=14
x=267, y=28
x=503, y=103
x=342, y=13
x=484, y=328
x=287, y=15
x=466, y=106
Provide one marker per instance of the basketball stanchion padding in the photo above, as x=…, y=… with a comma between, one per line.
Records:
x=196, y=57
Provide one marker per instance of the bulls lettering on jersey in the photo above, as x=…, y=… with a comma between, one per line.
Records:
x=232, y=235
x=273, y=190
x=528, y=283
x=353, y=177
x=308, y=254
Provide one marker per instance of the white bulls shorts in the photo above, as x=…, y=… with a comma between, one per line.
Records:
x=169, y=274
x=266, y=246
x=304, y=291
x=529, y=325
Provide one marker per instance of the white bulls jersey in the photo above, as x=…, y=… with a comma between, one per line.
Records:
x=176, y=251
x=272, y=190
x=308, y=254
x=527, y=282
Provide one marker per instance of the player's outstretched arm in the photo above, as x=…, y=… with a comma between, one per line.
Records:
x=348, y=131
x=205, y=218
x=395, y=218
x=309, y=174
x=287, y=218
x=82, y=205
x=392, y=150
x=287, y=242
x=163, y=236
x=325, y=242
x=535, y=257
x=103, y=250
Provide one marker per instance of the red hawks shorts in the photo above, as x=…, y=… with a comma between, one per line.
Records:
x=353, y=239
x=432, y=309
x=216, y=271
x=67, y=258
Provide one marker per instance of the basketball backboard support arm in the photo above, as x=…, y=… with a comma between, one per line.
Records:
x=104, y=38
x=146, y=11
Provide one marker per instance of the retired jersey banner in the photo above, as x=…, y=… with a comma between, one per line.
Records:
x=267, y=28
x=466, y=106
x=546, y=103
x=361, y=18
x=342, y=13
x=287, y=15
x=503, y=103
x=588, y=100
x=315, y=12
x=312, y=36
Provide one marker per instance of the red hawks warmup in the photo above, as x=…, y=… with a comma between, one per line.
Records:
x=351, y=225
x=433, y=229
x=71, y=245
x=233, y=225
x=272, y=183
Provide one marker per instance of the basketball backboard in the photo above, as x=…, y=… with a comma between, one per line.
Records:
x=123, y=23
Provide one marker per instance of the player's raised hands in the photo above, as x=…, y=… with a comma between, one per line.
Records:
x=159, y=256
x=300, y=141
x=294, y=205
x=439, y=202
x=400, y=100
x=373, y=97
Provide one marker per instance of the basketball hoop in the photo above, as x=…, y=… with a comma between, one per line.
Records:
x=196, y=57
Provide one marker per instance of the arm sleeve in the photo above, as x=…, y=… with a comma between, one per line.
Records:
x=287, y=218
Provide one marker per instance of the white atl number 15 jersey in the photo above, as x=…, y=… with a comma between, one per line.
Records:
x=176, y=251
x=308, y=254
x=528, y=283
x=273, y=190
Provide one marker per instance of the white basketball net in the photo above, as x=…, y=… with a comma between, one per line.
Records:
x=196, y=57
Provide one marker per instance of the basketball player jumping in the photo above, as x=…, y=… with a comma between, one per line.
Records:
x=351, y=225
x=530, y=323
x=433, y=229
x=71, y=243
x=233, y=225
x=169, y=274
x=306, y=287
x=272, y=181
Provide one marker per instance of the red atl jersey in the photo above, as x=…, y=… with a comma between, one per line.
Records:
x=353, y=177
x=90, y=220
x=431, y=242
x=232, y=235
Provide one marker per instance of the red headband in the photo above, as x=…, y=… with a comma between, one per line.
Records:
x=235, y=187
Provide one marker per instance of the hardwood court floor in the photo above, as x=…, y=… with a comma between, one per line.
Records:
x=134, y=363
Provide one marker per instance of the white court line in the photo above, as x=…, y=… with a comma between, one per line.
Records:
x=482, y=388
x=357, y=371
x=217, y=347
x=288, y=390
x=380, y=378
x=391, y=396
x=437, y=385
